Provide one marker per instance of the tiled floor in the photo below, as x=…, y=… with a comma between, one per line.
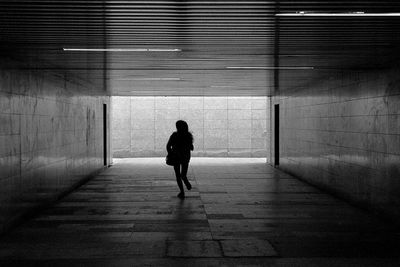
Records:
x=239, y=212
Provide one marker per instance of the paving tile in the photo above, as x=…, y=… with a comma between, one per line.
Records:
x=225, y=216
x=196, y=249
x=248, y=248
x=163, y=236
x=237, y=235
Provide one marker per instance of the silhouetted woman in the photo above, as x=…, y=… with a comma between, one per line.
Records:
x=180, y=144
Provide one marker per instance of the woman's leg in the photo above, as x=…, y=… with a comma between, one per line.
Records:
x=185, y=167
x=178, y=177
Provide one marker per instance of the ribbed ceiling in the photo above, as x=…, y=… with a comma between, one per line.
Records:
x=213, y=36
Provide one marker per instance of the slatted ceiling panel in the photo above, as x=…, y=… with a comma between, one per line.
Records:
x=338, y=31
x=348, y=28
x=334, y=44
x=52, y=22
x=191, y=81
x=211, y=34
x=34, y=32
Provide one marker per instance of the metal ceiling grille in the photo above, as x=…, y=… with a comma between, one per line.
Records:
x=137, y=22
x=213, y=36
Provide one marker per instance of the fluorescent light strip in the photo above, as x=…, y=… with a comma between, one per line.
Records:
x=222, y=86
x=272, y=68
x=123, y=49
x=349, y=14
x=149, y=79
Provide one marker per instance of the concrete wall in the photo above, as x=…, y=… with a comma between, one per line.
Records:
x=343, y=134
x=222, y=126
x=51, y=138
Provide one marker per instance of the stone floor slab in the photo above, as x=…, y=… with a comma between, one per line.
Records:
x=196, y=249
x=248, y=248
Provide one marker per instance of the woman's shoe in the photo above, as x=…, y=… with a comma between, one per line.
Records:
x=181, y=195
x=188, y=186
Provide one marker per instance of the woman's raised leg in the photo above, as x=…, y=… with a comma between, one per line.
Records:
x=185, y=167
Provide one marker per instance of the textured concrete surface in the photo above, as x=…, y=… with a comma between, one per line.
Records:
x=343, y=134
x=240, y=212
x=51, y=136
x=222, y=126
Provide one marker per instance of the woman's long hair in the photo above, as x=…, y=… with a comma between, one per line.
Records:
x=182, y=128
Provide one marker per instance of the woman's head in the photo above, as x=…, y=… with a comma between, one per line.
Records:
x=182, y=126
x=182, y=129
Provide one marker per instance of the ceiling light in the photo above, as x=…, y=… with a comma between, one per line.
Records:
x=164, y=50
x=123, y=49
x=273, y=68
x=146, y=91
x=149, y=79
x=344, y=14
x=222, y=86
